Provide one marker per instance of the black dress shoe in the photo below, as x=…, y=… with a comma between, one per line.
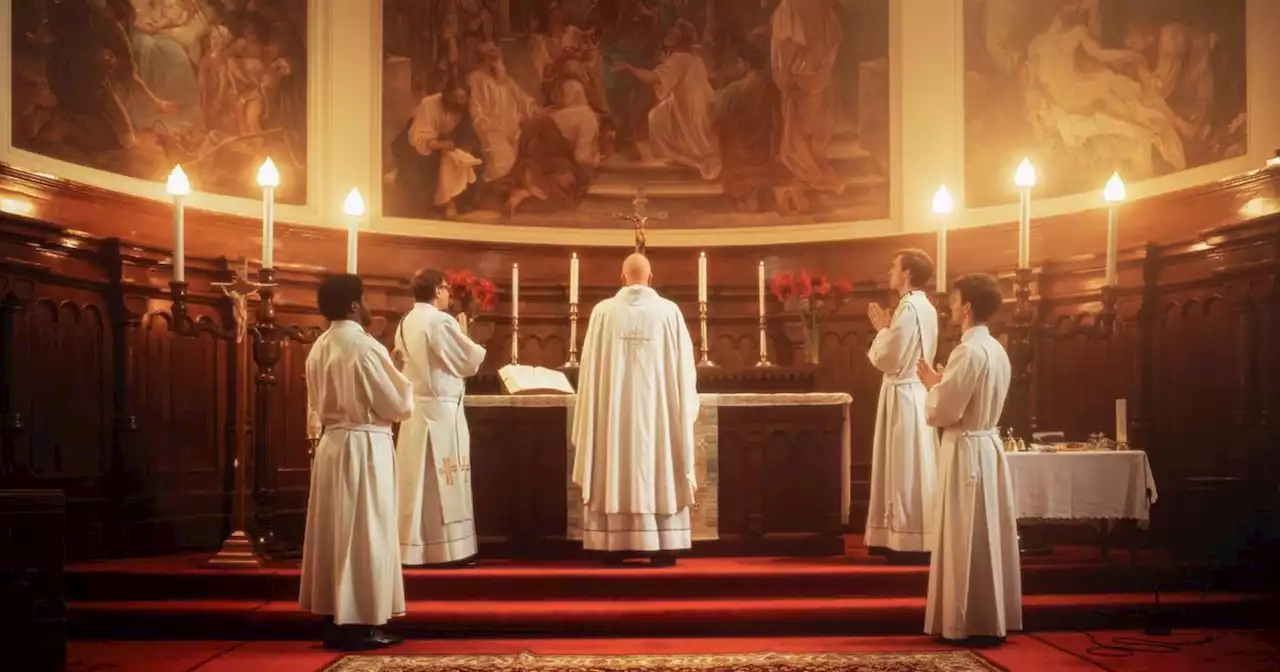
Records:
x=351, y=638
x=663, y=560
x=387, y=638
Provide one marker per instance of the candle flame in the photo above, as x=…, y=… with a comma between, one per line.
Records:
x=942, y=203
x=178, y=184
x=1114, y=191
x=1025, y=176
x=268, y=176
x=354, y=205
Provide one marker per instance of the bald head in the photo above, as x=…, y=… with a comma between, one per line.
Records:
x=636, y=270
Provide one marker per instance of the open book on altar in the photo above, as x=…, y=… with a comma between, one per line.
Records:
x=521, y=379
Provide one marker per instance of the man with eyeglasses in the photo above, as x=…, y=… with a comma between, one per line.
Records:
x=433, y=451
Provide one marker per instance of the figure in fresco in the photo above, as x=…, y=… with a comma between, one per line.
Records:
x=136, y=86
x=744, y=112
x=438, y=154
x=1087, y=88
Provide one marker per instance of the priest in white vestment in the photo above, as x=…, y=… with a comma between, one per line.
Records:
x=975, y=578
x=633, y=423
x=433, y=451
x=351, y=554
x=903, y=455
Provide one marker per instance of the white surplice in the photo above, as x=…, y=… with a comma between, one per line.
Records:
x=975, y=577
x=904, y=454
x=633, y=425
x=433, y=482
x=680, y=124
x=351, y=553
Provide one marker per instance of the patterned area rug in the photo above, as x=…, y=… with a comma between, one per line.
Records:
x=944, y=661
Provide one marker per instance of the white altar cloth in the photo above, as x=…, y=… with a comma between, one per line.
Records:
x=705, y=518
x=1086, y=485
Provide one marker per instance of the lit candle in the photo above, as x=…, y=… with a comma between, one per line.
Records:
x=1113, y=194
x=1025, y=179
x=573, y=278
x=942, y=206
x=268, y=179
x=702, y=277
x=179, y=187
x=353, y=207
x=760, y=278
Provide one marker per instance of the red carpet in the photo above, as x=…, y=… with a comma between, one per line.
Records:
x=177, y=598
x=1237, y=651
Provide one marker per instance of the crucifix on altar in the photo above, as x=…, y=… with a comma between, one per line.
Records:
x=639, y=217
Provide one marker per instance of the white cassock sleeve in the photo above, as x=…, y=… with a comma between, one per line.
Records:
x=689, y=402
x=584, y=418
x=460, y=355
x=891, y=351
x=388, y=393
x=315, y=428
x=946, y=402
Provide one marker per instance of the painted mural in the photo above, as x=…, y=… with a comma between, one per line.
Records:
x=722, y=112
x=1088, y=87
x=136, y=86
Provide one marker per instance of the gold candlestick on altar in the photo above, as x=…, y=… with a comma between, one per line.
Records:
x=705, y=361
x=515, y=339
x=764, y=349
x=573, y=338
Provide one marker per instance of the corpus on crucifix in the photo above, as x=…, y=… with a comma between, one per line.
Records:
x=639, y=216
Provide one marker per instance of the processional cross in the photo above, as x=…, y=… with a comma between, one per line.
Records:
x=639, y=217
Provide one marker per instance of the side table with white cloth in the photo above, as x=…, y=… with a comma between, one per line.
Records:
x=1087, y=485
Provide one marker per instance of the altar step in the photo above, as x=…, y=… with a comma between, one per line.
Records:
x=281, y=619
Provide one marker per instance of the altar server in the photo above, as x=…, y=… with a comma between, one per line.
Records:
x=351, y=556
x=633, y=424
x=975, y=578
x=433, y=480
x=903, y=455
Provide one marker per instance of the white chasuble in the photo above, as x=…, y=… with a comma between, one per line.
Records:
x=433, y=483
x=351, y=555
x=633, y=428
x=904, y=452
x=975, y=577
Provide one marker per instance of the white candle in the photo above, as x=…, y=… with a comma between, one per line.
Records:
x=760, y=278
x=573, y=278
x=942, y=206
x=515, y=290
x=1122, y=421
x=178, y=187
x=268, y=179
x=702, y=277
x=1114, y=193
x=354, y=209
x=1025, y=179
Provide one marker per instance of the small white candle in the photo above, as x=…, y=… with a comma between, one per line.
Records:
x=353, y=207
x=702, y=277
x=268, y=179
x=515, y=290
x=573, y=278
x=1113, y=194
x=179, y=187
x=942, y=206
x=1122, y=421
x=760, y=278
x=1025, y=179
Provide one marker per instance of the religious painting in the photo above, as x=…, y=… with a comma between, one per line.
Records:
x=135, y=87
x=1085, y=88
x=562, y=112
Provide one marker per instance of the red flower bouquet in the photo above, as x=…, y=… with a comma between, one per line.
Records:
x=470, y=293
x=814, y=297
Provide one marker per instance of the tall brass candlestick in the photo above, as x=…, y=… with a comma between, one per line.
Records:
x=764, y=349
x=705, y=347
x=515, y=339
x=573, y=337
